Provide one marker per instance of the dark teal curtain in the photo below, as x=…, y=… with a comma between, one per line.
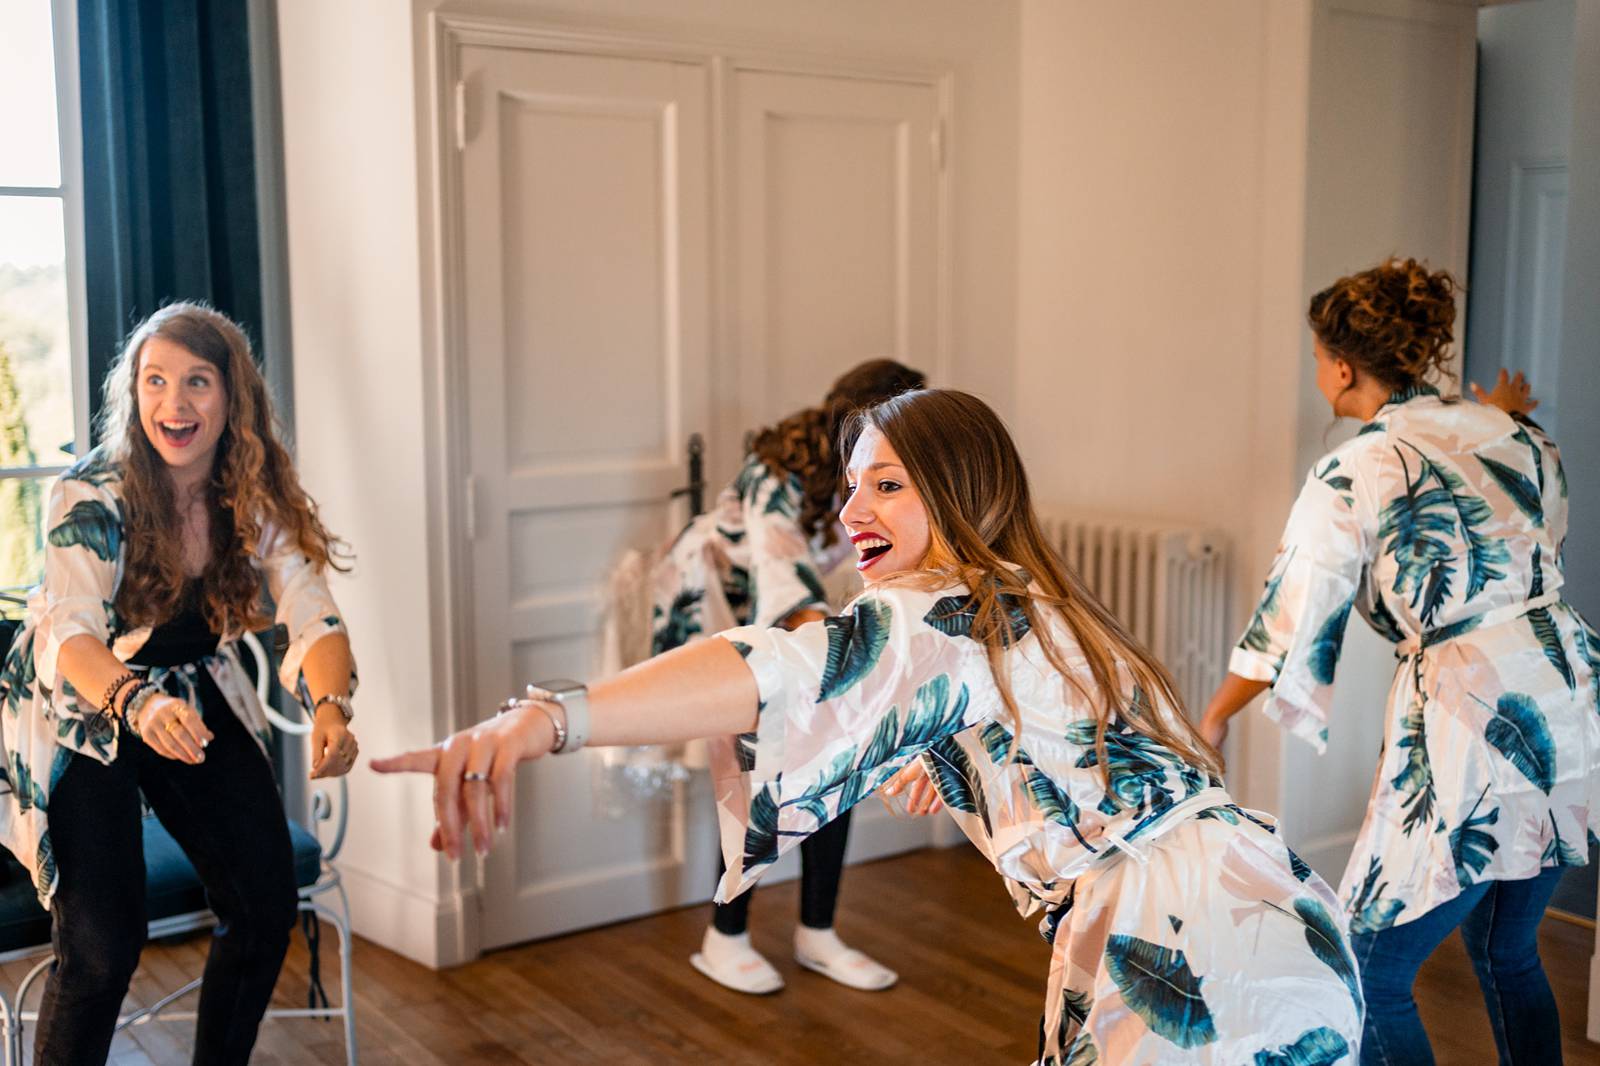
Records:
x=169, y=165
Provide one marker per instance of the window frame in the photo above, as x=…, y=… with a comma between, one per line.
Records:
x=69, y=132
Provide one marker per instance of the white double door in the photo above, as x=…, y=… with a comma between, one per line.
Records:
x=589, y=223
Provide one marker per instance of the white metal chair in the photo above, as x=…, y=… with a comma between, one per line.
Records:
x=335, y=909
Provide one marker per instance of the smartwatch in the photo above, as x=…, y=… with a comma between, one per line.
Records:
x=573, y=696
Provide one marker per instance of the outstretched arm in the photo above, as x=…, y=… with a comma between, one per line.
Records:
x=702, y=690
x=1229, y=699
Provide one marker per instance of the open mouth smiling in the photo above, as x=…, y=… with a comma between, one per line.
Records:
x=871, y=547
x=177, y=433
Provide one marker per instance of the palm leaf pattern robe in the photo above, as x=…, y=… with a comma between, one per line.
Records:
x=1442, y=524
x=1182, y=928
x=43, y=721
x=744, y=562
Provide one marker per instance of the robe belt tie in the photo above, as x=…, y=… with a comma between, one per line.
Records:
x=180, y=681
x=1175, y=815
x=1487, y=620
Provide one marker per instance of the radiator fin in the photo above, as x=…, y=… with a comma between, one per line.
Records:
x=1167, y=582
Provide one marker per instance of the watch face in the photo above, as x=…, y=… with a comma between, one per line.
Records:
x=560, y=686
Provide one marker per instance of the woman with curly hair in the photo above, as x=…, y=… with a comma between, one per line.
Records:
x=1441, y=523
x=1182, y=929
x=125, y=680
x=757, y=558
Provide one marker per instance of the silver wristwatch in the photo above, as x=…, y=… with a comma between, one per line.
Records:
x=341, y=702
x=573, y=696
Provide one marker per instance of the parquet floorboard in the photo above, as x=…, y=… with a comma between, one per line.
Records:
x=972, y=979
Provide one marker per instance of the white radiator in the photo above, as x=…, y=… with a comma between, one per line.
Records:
x=1168, y=583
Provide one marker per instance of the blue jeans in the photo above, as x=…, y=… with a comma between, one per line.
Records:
x=1499, y=923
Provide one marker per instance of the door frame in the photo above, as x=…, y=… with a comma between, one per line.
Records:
x=441, y=35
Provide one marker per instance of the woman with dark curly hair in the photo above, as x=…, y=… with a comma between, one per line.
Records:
x=1442, y=523
x=753, y=559
x=125, y=680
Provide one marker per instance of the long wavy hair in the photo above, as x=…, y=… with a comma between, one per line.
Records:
x=804, y=443
x=966, y=470
x=252, y=482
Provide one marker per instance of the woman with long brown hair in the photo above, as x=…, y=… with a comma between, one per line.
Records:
x=1183, y=929
x=125, y=680
x=1441, y=523
x=758, y=558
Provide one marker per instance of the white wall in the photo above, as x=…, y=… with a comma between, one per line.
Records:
x=1189, y=175
x=1162, y=177
x=351, y=193
x=355, y=77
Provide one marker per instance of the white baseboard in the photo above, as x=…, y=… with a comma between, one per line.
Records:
x=434, y=932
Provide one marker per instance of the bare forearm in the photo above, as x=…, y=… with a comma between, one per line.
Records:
x=1232, y=696
x=89, y=666
x=703, y=690
x=327, y=666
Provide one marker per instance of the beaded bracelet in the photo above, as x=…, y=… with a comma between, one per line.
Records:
x=135, y=703
x=109, y=700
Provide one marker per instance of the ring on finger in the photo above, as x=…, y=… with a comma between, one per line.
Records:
x=172, y=726
x=474, y=776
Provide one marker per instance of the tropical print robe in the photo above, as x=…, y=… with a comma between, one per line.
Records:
x=1441, y=523
x=744, y=562
x=1182, y=928
x=44, y=721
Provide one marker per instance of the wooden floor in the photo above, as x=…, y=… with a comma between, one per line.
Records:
x=972, y=982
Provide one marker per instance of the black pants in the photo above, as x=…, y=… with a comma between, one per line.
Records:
x=821, y=861
x=226, y=815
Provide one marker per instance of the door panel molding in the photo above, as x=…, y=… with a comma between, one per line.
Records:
x=459, y=109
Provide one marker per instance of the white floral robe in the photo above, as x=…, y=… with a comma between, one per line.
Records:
x=43, y=721
x=744, y=562
x=1182, y=928
x=1442, y=523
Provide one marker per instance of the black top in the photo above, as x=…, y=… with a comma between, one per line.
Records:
x=183, y=638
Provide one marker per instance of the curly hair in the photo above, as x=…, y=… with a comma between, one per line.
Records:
x=1394, y=321
x=252, y=482
x=804, y=444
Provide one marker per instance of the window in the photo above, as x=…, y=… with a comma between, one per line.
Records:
x=43, y=394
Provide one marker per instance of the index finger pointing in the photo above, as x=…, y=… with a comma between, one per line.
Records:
x=422, y=761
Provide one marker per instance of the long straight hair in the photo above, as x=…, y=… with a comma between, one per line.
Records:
x=966, y=470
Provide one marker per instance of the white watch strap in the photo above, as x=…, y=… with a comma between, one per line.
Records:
x=574, y=699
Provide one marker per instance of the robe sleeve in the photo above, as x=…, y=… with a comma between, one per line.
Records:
x=305, y=605
x=844, y=704
x=1551, y=477
x=82, y=563
x=783, y=576
x=1297, y=632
